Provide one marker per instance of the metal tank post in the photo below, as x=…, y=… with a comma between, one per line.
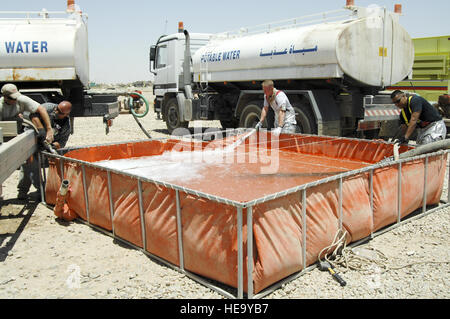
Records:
x=399, y=192
x=371, y=200
x=86, y=199
x=111, y=205
x=448, y=184
x=425, y=176
x=340, y=204
x=240, y=255
x=304, y=227
x=142, y=216
x=250, y=252
x=179, y=231
x=61, y=168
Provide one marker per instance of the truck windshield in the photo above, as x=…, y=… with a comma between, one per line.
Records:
x=161, y=56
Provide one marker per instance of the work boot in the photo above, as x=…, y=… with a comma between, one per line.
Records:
x=35, y=196
x=22, y=196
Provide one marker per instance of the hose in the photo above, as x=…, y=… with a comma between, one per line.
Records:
x=136, y=116
x=241, y=140
x=140, y=125
x=427, y=148
x=130, y=104
x=47, y=146
x=419, y=150
x=30, y=124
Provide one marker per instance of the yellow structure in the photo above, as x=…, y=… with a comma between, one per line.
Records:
x=431, y=69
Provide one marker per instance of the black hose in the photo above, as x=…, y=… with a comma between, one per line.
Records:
x=140, y=125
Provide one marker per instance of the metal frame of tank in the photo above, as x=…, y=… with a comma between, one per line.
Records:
x=301, y=190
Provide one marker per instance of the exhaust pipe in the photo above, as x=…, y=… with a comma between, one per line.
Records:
x=187, y=76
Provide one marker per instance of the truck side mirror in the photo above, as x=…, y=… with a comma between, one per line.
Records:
x=153, y=53
x=152, y=58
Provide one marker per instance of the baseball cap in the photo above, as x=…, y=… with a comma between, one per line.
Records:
x=10, y=90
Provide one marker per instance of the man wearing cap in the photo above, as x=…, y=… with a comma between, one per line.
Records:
x=12, y=106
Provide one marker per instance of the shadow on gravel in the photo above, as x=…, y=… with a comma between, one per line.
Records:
x=162, y=131
x=13, y=211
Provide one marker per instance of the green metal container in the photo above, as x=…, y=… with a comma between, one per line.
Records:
x=431, y=69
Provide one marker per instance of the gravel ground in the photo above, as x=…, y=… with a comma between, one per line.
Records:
x=41, y=257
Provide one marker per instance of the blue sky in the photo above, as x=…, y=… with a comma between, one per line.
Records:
x=121, y=32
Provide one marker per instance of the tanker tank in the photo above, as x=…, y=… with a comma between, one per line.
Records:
x=370, y=48
x=46, y=55
x=47, y=48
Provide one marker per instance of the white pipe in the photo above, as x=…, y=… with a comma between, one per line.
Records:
x=64, y=187
x=427, y=148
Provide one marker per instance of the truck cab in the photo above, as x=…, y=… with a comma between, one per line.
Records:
x=166, y=63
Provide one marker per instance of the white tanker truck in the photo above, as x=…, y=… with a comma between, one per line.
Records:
x=46, y=55
x=332, y=66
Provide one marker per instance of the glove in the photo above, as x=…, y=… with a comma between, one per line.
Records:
x=41, y=135
x=277, y=131
x=258, y=126
x=401, y=140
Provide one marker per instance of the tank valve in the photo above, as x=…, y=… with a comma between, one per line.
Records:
x=61, y=209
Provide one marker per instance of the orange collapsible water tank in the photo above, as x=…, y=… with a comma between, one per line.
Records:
x=181, y=200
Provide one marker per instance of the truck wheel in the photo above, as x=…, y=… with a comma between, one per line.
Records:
x=305, y=120
x=173, y=118
x=250, y=116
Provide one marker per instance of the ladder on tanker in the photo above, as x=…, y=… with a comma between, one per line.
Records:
x=329, y=16
x=204, y=81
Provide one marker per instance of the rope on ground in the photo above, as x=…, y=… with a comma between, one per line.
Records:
x=346, y=258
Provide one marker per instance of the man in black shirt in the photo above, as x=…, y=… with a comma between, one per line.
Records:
x=60, y=119
x=60, y=124
x=416, y=112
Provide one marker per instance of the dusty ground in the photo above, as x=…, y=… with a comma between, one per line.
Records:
x=41, y=257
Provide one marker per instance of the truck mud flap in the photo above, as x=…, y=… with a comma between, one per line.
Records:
x=379, y=113
x=98, y=105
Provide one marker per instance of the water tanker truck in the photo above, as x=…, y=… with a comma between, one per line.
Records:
x=333, y=67
x=46, y=55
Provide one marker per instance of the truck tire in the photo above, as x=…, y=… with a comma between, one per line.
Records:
x=173, y=118
x=250, y=116
x=305, y=120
